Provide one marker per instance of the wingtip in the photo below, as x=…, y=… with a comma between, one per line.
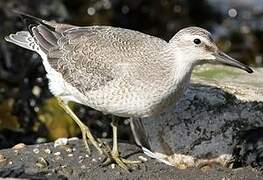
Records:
x=250, y=70
x=7, y=38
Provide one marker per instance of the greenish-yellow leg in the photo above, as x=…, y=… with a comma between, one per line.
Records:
x=84, y=129
x=114, y=156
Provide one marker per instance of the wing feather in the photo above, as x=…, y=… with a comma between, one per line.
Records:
x=91, y=57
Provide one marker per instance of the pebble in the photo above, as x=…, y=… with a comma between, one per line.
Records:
x=144, y=159
x=104, y=134
x=41, y=140
x=94, y=160
x=58, y=158
x=57, y=153
x=81, y=157
x=70, y=155
x=61, y=142
x=206, y=168
x=73, y=139
x=36, y=150
x=16, y=152
x=41, y=163
x=69, y=149
x=113, y=166
x=83, y=167
x=19, y=146
x=2, y=159
x=67, y=170
x=47, y=151
x=36, y=90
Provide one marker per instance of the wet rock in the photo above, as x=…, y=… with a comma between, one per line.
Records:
x=212, y=124
x=24, y=166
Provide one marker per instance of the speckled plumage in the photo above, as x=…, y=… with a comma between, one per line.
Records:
x=114, y=70
x=118, y=71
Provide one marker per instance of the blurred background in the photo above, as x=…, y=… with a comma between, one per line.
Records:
x=29, y=113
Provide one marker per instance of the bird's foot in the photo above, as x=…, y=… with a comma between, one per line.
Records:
x=115, y=158
x=86, y=135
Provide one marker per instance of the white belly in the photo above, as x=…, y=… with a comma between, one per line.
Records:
x=57, y=85
x=133, y=101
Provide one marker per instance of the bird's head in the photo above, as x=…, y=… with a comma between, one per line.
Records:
x=198, y=47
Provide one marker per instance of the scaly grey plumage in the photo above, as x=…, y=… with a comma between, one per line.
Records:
x=118, y=71
x=113, y=69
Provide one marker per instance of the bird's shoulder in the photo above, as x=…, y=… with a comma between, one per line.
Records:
x=114, y=39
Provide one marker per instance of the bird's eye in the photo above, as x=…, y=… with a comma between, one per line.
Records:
x=197, y=41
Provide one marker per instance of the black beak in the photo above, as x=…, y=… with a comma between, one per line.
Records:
x=227, y=60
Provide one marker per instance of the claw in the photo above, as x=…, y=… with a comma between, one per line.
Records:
x=123, y=163
x=112, y=155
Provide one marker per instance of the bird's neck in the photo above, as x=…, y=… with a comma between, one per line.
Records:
x=182, y=74
x=181, y=66
x=177, y=78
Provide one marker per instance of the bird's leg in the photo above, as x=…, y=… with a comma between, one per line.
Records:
x=84, y=129
x=114, y=156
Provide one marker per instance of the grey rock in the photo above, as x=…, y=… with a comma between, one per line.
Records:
x=212, y=123
x=23, y=166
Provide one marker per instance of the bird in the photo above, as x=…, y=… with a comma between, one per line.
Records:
x=117, y=71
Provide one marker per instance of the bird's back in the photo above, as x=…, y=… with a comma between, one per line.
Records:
x=90, y=57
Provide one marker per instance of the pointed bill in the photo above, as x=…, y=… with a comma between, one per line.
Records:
x=227, y=60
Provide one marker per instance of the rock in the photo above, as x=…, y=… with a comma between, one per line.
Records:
x=60, y=142
x=211, y=124
x=24, y=166
x=3, y=159
x=36, y=150
x=19, y=146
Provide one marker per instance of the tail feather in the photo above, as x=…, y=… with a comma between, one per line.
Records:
x=31, y=21
x=40, y=35
x=23, y=39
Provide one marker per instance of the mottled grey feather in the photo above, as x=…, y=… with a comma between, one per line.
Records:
x=49, y=35
x=60, y=28
x=22, y=38
x=90, y=57
x=194, y=31
x=41, y=41
x=119, y=71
